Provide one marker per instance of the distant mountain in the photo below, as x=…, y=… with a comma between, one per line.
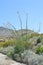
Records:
x=6, y=33
x=24, y=32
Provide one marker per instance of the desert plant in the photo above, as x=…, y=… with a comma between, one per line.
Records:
x=19, y=47
x=10, y=53
x=1, y=44
x=28, y=45
x=39, y=40
x=8, y=43
x=39, y=50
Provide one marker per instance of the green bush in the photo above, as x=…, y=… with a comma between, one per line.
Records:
x=19, y=47
x=39, y=50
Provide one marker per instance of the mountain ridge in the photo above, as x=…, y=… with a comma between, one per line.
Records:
x=5, y=32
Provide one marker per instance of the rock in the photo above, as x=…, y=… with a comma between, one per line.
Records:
x=4, y=60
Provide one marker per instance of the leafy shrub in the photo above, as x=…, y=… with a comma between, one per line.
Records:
x=39, y=50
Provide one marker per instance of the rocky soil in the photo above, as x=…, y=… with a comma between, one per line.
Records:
x=4, y=60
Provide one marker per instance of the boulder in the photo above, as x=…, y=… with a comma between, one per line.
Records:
x=4, y=60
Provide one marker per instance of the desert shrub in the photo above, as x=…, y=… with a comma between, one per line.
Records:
x=5, y=50
x=39, y=50
x=34, y=34
x=28, y=45
x=8, y=43
x=39, y=40
x=22, y=45
x=10, y=53
x=19, y=47
x=28, y=37
x=1, y=44
x=5, y=44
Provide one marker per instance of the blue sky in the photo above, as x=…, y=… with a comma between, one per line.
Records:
x=9, y=8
